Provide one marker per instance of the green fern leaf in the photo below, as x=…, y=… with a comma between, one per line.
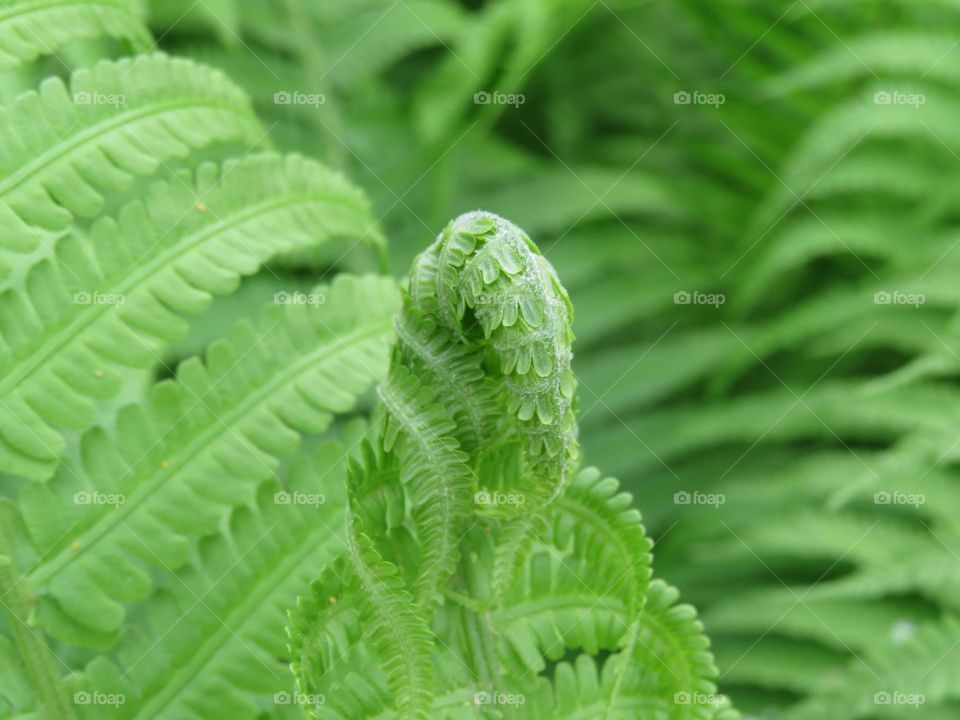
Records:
x=64, y=147
x=30, y=28
x=397, y=629
x=490, y=266
x=433, y=466
x=90, y=311
x=224, y=612
x=139, y=495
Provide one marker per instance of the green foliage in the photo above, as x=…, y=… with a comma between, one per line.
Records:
x=796, y=401
x=155, y=523
x=475, y=563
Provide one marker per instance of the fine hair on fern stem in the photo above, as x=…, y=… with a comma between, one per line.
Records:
x=470, y=540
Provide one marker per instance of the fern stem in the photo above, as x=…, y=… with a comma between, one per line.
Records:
x=478, y=637
x=39, y=660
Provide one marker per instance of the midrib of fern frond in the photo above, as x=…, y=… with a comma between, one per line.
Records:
x=45, y=160
x=662, y=599
x=437, y=364
x=39, y=661
x=64, y=170
x=227, y=628
x=627, y=652
x=567, y=601
x=395, y=611
x=55, y=344
x=200, y=442
x=436, y=449
x=614, y=538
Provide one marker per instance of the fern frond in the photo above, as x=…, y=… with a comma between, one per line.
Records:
x=516, y=540
x=592, y=518
x=31, y=28
x=224, y=611
x=397, y=629
x=65, y=147
x=918, y=672
x=483, y=354
x=892, y=54
x=490, y=266
x=36, y=664
x=324, y=631
x=201, y=446
x=440, y=362
x=92, y=310
x=675, y=654
x=861, y=119
x=434, y=468
x=662, y=671
x=555, y=607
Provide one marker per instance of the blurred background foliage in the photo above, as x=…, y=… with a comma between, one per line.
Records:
x=820, y=413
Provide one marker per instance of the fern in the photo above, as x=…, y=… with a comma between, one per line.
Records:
x=114, y=311
x=200, y=447
x=798, y=400
x=68, y=145
x=486, y=325
x=30, y=28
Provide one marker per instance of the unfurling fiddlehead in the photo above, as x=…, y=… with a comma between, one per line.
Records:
x=461, y=574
